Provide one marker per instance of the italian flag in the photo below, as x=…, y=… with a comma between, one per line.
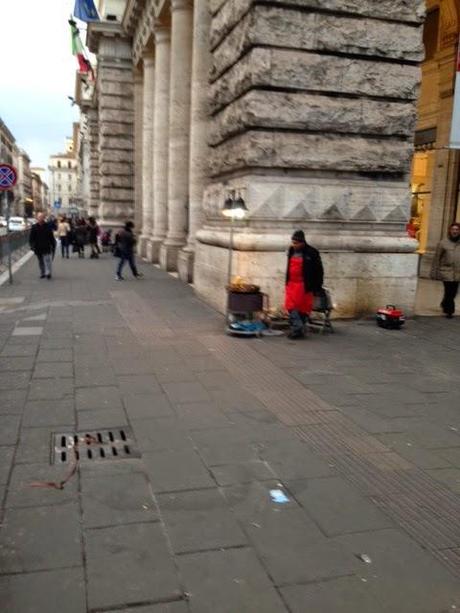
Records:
x=78, y=50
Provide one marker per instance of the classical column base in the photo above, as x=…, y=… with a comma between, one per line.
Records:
x=152, y=251
x=168, y=256
x=142, y=245
x=185, y=261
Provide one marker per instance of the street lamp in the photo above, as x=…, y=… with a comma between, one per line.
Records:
x=234, y=208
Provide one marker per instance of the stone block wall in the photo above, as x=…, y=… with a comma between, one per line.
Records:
x=115, y=85
x=312, y=106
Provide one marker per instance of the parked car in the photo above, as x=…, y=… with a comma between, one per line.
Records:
x=17, y=224
x=2, y=222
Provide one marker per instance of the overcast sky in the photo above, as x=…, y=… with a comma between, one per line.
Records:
x=38, y=73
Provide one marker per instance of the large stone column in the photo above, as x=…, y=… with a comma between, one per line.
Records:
x=147, y=153
x=138, y=107
x=199, y=151
x=116, y=122
x=179, y=131
x=161, y=142
x=313, y=115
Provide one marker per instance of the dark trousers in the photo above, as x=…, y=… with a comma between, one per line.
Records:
x=44, y=263
x=64, y=246
x=297, y=321
x=127, y=257
x=448, y=302
x=95, y=251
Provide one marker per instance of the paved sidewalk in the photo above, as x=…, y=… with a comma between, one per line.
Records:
x=360, y=430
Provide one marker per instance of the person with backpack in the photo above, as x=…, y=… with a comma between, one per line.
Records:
x=125, y=242
x=304, y=276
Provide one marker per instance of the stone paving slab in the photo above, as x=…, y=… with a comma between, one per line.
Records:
x=40, y=538
x=129, y=564
x=336, y=507
x=199, y=520
x=176, y=470
x=228, y=581
x=44, y=592
x=110, y=500
x=191, y=525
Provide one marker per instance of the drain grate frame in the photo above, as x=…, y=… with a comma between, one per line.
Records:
x=94, y=445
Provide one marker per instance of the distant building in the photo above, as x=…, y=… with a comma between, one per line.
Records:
x=40, y=190
x=24, y=200
x=63, y=175
x=7, y=144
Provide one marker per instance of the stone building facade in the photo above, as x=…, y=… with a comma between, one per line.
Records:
x=306, y=109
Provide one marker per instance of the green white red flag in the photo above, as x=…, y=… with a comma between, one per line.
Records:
x=78, y=49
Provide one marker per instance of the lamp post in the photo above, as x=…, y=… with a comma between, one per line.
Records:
x=234, y=208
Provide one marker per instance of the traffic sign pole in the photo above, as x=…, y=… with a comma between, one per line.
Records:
x=8, y=244
x=8, y=178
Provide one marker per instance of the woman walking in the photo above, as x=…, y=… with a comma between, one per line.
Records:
x=63, y=231
x=304, y=276
x=446, y=268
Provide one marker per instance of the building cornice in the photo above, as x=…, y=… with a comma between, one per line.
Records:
x=132, y=14
x=100, y=29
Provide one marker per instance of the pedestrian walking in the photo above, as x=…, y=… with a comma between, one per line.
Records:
x=43, y=244
x=93, y=233
x=446, y=268
x=125, y=243
x=304, y=276
x=63, y=232
x=81, y=237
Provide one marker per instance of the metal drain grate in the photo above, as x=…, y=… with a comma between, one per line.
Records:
x=110, y=444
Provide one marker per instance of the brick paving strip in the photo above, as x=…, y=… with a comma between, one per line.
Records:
x=414, y=500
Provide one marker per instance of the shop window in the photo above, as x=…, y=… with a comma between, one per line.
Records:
x=431, y=34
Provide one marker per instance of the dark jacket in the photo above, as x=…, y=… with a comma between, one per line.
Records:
x=313, y=274
x=41, y=239
x=81, y=235
x=93, y=233
x=126, y=241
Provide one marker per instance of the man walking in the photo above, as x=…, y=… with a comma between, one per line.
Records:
x=43, y=244
x=446, y=268
x=124, y=248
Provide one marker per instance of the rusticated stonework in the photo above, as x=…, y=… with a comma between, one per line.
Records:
x=305, y=107
x=312, y=118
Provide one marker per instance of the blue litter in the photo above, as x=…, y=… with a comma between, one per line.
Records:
x=279, y=496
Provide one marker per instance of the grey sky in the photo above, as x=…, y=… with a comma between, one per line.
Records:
x=38, y=76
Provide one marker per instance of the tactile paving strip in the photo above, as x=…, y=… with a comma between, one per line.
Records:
x=422, y=506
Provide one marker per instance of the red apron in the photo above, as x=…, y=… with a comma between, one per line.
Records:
x=296, y=298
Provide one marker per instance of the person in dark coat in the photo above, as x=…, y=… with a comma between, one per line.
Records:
x=43, y=244
x=125, y=243
x=93, y=233
x=81, y=237
x=304, y=276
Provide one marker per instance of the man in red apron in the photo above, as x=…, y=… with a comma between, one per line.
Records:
x=304, y=276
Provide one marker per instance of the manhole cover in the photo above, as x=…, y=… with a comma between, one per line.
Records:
x=91, y=445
